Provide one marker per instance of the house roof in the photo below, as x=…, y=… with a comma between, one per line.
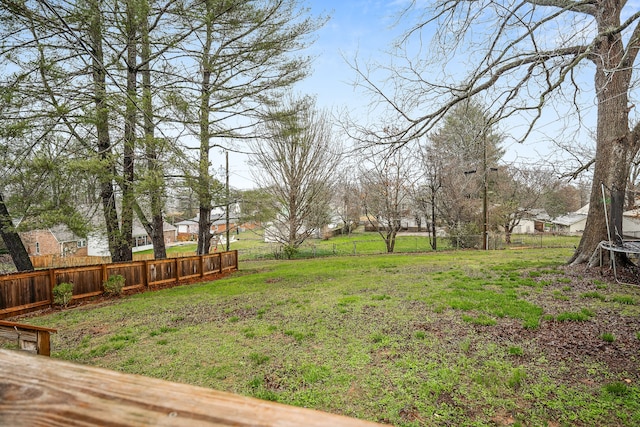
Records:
x=633, y=213
x=569, y=219
x=138, y=229
x=583, y=210
x=187, y=222
x=62, y=233
x=223, y=221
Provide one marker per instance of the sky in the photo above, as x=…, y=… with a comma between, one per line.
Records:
x=355, y=27
x=365, y=29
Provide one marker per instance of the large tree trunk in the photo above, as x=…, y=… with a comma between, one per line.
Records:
x=104, y=151
x=125, y=243
x=204, y=230
x=12, y=240
x=154, y=169
x=204, y=180
x=615, y=146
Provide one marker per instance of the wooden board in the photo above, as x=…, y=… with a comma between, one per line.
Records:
x=39, y=391
x=30, y=338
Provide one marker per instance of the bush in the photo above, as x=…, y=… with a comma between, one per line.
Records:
x=113, y=285
x=465, y=236
x=290, y=251
x=63, y=293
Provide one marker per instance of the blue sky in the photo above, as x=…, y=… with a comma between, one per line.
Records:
x=365, y=29
x=355, y=27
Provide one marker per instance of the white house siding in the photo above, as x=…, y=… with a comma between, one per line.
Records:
x=526, y=226
x=97, y=244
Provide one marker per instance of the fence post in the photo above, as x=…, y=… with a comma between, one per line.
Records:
x=201, y=265
x=104, y=273
x=52, y=284
x=177, y=265
x=145, y=274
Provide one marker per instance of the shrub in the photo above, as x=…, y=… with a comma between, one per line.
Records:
x=113, y=285
x=465, y=236
x=63, y=293
x=290, y=251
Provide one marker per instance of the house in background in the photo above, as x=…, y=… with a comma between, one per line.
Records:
x=631, y=224
x=58, y=240
x=142, y=241
x=98, y=244
x=572, y=223
x=187, y=230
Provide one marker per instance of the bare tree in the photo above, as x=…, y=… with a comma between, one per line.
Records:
x=526, y=56
x=518, y=193
x=428, y=194
x=387, y=178
x=296, y=159
x=347, y=199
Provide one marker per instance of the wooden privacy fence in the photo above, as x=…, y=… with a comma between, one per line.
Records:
x=30, y=291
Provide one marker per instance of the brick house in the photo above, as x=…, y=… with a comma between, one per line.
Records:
x=58, y=240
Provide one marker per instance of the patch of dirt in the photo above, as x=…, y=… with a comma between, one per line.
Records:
x=571, y=341
x=576, y=350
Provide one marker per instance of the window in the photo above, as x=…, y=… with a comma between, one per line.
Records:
x=37, y=248
x=82, y=243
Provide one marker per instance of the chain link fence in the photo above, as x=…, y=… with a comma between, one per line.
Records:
x=407, y=244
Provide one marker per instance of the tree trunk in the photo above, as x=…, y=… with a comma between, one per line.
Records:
x=12, y=240
x=434, y=242
x=615, y=148
x=204, y=180
x=125, y=242
x=154, y=169
x=104, y=150
x=204, y=230
x=390, y=242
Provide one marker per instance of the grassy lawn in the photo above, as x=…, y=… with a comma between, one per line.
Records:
x=454, y=338
x=251, y=245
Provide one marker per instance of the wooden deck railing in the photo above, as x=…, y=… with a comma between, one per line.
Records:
x=42, y=391
x=30, y=338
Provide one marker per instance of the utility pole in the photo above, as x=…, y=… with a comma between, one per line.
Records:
x=485, y=185
x=227, y=196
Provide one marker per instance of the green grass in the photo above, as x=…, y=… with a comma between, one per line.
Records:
x=624, y=299
x=575, y=316
x=430, y=339
x=608, y=337
x=251, y=245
